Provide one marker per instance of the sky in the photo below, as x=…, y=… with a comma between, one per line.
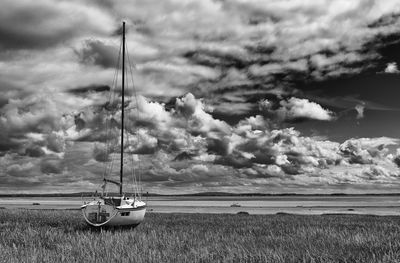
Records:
x=272, y=96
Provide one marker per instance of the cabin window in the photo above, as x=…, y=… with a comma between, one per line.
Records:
x=125, y=213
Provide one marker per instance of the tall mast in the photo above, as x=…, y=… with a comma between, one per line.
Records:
x=122, y=108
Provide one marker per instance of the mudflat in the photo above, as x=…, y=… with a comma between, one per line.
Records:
x=363, y=204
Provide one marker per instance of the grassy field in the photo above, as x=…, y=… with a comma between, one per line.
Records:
x=62, y=236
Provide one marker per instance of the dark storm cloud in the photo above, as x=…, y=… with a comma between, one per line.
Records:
x=51, y=166
x=20, y=170
x=216, y=58
x=97, y=53
x=33, y=127
x=10, y=90
x=90, y=88
x=386, y=20
x=234, y=161
x=397, y=161
x=100, y=153
x=22, y=116
x=44, y=23
x=6, y=143
x=29, y=30
x=34, y=151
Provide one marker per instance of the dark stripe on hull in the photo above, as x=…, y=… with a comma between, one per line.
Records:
x=131, y=209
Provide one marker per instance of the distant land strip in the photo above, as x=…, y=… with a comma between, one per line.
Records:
x=89, y=194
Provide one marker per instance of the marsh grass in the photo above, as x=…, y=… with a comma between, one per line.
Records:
x=63, y=236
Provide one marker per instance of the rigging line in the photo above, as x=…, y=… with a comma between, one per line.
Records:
x=131, y=159
x=109, y=167
x=138, y=116
x=109, y=117
x=122, y=112
x=132, y=166
x=133, y=177
x=108, y=130
x=135, y=171
x=127, y=133
x=126, y=121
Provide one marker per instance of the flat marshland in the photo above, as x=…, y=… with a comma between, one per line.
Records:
x=63, y=236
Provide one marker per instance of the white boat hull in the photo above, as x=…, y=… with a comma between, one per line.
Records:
x=99, y=214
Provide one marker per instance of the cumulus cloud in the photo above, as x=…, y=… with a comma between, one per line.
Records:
x=55, y=142
x=295, y=108
x=33, y=126
x=366, y=150
x=149, y=114
x=199, y=121
x=217, y=154
x=31, y=114
x=143, y=143
x=391, y=68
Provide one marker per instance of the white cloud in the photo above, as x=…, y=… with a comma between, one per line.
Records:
x=360, y=110
x=281, y=160
x=367, y=150
x=391, y=68
x=295, y=108
x=198, y=120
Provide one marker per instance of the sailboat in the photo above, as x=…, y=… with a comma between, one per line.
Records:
x=116, y=209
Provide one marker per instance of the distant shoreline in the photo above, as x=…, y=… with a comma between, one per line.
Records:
x=89, y=194
x=277, y=213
